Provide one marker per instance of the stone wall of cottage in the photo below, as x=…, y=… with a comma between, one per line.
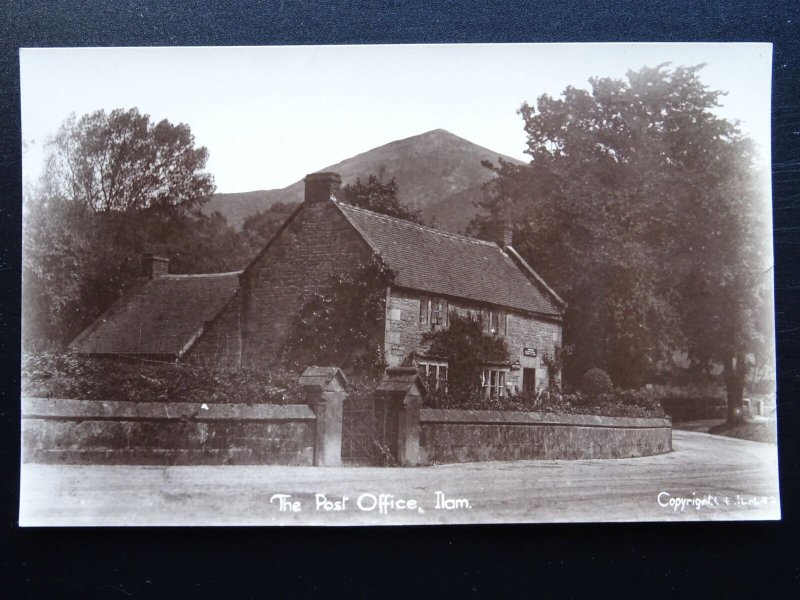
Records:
x=318, y=241
x=525, y=331
x=220, y=343
x=404, y=334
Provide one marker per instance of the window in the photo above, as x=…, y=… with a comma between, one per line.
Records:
x=439, y=312
x=495, y=320
x=434, y=372
x=433, y=311
x=494, y=382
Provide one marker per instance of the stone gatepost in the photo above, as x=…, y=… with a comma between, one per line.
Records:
x=325, y=389
x=402, y=389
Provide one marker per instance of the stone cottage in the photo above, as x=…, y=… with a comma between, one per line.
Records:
x=242, y=318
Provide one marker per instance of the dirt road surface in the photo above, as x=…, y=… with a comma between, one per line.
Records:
x=704, y=478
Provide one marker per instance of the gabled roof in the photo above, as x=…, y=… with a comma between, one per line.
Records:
x=447, y=264
x=164, y=315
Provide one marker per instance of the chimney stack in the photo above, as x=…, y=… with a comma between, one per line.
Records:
x=501, y=232
x=322, y=186
x=154, y=266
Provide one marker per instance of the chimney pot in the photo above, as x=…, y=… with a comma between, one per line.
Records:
x=322, y=186
x=154, y=266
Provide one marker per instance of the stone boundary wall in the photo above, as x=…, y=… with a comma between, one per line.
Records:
x=168, y=433
x=189, y=433
x=452, y=436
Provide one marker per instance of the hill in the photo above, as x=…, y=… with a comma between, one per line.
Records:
x=434, y=171
x=453, y=213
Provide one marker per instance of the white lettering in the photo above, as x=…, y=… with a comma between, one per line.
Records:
x=322, y=503
x=444, y=503
x=284, y=504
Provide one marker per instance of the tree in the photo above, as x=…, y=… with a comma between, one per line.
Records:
x=727, y=292
x=380, y=197
x=638, y=206
x=93, y=215
x=122, y=161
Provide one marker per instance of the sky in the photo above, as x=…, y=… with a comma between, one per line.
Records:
x=270, y=115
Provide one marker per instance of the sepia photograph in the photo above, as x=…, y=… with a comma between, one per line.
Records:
x=397, y=285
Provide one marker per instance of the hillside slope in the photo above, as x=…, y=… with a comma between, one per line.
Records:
x=429, y=168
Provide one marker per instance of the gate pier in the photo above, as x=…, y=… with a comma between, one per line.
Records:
x=325, y=390
x=379, y=428
x=399, y=394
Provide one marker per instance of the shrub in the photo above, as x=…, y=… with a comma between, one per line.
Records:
x=466, y=346
x=65, y=375
x=621, y=403
x=555, y=364
x=595, y=382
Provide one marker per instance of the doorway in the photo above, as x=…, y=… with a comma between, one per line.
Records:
x=528, y=382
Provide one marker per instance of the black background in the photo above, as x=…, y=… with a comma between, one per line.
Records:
x=749, y=559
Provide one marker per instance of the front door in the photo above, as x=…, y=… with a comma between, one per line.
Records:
x=528, y=382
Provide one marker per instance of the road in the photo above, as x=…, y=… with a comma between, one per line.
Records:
x=704, y=478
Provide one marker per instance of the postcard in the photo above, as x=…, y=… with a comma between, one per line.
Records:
x=390, y=285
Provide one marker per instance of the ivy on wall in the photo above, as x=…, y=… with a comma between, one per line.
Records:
x=342, y=325
x=467, y=348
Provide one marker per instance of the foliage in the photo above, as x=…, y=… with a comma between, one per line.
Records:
x=622, y=403
x=343, y=324
x=631, y=403
x=555, y=365
x=122, y=161
x=380, y=197
x=690, y=391
x=596, y=381
x=66, y=375
x=467, y=347
x=641, y=207
x=81, y=253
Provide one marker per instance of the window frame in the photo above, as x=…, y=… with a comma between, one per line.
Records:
x=493, y=381
x=490, y=314
x=427, y=312
x=438, y=366
x=441, y=311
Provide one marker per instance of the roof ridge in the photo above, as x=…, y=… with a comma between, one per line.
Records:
x=441, y=232
x=188, y=275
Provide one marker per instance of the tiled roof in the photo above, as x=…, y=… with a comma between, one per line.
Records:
x=161, y=316
x=443, y=263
